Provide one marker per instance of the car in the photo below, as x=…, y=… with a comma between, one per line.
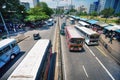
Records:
x=36, y=36
x=50, y=22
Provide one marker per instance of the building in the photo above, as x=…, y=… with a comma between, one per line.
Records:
x=94, y=7
x=115, y=4
x=32, y=3
x=26, y=5
x=82, y=9
x=35, y=2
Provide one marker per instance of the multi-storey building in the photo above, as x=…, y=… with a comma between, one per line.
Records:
x=26, y=5
x=115, y=4
x=32, y=3
x=93, y=7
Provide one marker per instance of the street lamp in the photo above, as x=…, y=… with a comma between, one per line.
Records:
x=4, y=23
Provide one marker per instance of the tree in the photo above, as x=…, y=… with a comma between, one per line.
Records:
x=36, y=14
x=94, y=14
x=107, y=13
x=118, y=21
x=48, y=11
x=13, y=12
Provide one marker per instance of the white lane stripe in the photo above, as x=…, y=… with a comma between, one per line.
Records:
x=90, y=50
x=101, y=63
x=85, y=70
x=105, y=69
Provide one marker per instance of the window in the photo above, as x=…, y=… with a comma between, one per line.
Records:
x=6, y=49
x=13, y=44
x=1, y=52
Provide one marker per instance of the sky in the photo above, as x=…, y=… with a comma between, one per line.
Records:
x=77, y=3
x=53, y=3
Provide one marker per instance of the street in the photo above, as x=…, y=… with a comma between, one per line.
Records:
x=91, y=64
x=25, y=45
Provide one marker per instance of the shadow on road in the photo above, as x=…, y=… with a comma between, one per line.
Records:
x=8, y=65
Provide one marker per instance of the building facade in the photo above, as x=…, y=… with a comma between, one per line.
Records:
x=115, y=4
x=94, y=7
x=26, y=5
x=32, y=3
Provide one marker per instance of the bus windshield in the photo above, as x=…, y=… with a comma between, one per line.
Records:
x=76, y=41
x=94, y=36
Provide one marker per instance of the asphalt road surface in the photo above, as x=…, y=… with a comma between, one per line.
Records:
x=91, y=64
x=45, y=33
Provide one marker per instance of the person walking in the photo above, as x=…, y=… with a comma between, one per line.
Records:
x=111, y=38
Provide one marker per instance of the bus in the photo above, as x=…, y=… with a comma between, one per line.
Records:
x=35, y=65
x=91, y=37
x=8, y=50
x=82, y=23
x=72, y=21
x=74, y=40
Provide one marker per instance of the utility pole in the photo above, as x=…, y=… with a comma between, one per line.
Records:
x=4, y=25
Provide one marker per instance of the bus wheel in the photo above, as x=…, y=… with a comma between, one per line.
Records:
x=12, y=56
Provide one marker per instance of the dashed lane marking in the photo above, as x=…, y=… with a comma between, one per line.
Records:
x=85, y=70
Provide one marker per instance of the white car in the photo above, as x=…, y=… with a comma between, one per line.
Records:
x=50, y=22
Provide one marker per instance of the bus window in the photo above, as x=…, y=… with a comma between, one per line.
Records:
x=13, y=44
x=6, y=49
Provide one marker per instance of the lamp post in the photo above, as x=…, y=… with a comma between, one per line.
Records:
x=4, y=24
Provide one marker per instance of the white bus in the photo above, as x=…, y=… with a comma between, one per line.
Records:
x=35, y=65
x=72, y=21
x=82, y=23
x=91, y=37
x=8, y=50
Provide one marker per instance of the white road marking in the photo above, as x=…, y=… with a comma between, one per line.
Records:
x=101, y=64
x=90, y=50
x=85, y=70
x=105, y=69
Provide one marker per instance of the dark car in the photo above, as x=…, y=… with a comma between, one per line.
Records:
x=36, y=36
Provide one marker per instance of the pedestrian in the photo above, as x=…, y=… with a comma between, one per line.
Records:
x=106, y=35
x=111, y=38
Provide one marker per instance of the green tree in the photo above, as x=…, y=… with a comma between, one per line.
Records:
x=48, y=11
x=13, y=11
x=107, y=13
x=36, y=14
x=118, y=21
x=94, y=14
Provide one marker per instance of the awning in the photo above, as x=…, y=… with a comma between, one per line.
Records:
x=91, y=21
x=101, y=24
x=113, y=28
x=83, y=19
x=118, y=30
x=78, y=18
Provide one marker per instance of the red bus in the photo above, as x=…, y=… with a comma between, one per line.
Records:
x=74, y=40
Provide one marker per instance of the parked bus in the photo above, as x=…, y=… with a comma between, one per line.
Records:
x=72, y=21
x=8, y=50
x=82, y=23
x=35, y=65
x=74, y=40
x=91, y=37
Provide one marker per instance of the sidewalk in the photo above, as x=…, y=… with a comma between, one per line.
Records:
x=113, y=49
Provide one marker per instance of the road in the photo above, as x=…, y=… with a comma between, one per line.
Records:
x=45, y=32
x=91, y=64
